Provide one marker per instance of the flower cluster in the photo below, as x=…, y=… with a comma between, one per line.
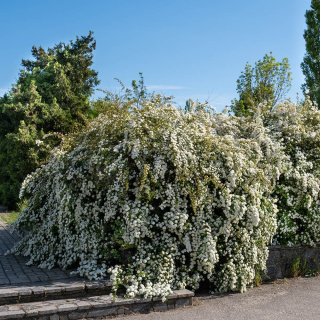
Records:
x=159, y=198
x=297, y=127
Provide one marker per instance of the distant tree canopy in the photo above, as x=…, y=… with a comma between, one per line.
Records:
x=51, y=96
x=268, y=81
x=311, y=60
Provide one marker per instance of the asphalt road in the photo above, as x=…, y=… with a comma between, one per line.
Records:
x=292, y=299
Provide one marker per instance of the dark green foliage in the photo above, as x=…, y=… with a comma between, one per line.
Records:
x=268, y=81
x=51, y=96
x=311, y=60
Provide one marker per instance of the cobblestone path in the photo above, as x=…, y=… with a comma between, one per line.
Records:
x=13, y=270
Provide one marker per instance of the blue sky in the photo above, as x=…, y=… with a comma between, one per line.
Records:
x=188, y=49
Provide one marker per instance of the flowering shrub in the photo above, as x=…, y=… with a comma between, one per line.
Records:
x=297, y=191
x=157, y=197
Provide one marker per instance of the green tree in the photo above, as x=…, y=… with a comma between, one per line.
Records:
x=51, y=98
x=268, y=81
x=311, y=60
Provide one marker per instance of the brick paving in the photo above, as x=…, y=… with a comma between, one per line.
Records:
x=13, y=270
x=28, y=292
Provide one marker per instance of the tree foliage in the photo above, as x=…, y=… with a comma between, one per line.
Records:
x=49, y=99
x=311, y=60
x=268, y=81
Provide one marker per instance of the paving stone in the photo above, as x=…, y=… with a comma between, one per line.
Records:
x=102, y=312
x=121, y=301
x=160, y=306
x=54, y=317
x=77, y=315
x=83, y=305
x=171, y=304
x=94, y=285
x=183, y=302
x=183, y=293
x=34, y=279
x=24, y=291
x=75, y=287
x=29, y=306
x=48, y=310
x=14, y=308
x=100, y=302
x=40, y=304
x=70, y=300
x=160, y=298
x=13, y=269
x=67, y=307
x=172, y=296
x=141, y=307
x=128, y=310
x=38, y=290
x=142, y=300
x=31, y=312
x=53, y=289
x=8, y=293
x=12, y=315
x=120, y=311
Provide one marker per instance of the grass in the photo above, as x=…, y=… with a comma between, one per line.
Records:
x=299, y=268
x=258, y=277
x=10, y=217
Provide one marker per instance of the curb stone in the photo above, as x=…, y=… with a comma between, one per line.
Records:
x=94, y=307
x=53, y=290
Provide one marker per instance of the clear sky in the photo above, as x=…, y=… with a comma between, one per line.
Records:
x=185, y=48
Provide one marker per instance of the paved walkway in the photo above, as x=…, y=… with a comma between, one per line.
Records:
x=13, y=270
x=292, y=299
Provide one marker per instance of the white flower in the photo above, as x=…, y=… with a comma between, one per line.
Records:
x=189, y=196
x=38, y=142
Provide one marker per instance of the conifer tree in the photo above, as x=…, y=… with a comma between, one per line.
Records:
x=51, y=96
x=311, y=60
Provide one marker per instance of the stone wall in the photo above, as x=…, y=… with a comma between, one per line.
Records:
x=284, y=261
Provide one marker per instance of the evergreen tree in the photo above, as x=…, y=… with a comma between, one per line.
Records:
x=51, y=97
x=311, y=60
